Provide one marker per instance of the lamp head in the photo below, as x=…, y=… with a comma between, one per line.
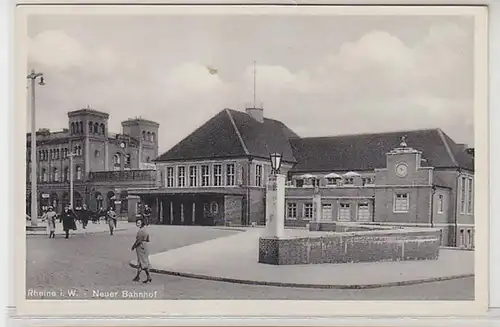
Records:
x=42, y=81
x=275, y=161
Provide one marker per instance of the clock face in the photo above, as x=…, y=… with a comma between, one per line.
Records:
x=122, y=145
x=402, y=170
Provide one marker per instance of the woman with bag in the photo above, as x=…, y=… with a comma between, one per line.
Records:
x=141, y=248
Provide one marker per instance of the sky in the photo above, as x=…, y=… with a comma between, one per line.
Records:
x=320, y=75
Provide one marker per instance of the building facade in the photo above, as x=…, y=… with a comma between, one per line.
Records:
x=104, y=164
x=218, y=175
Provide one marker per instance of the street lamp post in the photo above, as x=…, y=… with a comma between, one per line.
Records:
x=33, y=76
x=275, y=198
x=71, y=155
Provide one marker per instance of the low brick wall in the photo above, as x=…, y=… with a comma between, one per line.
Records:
x=358, y=246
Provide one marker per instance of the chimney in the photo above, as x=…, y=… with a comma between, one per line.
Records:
x=256, y=113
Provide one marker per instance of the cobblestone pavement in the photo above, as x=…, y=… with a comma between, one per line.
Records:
x=96, y=266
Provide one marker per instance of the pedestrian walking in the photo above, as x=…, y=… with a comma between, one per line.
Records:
x=141, y=248
x=147, y=214
x=68, y=218
x=51, y=217
x=85, y=215
x=111, y=217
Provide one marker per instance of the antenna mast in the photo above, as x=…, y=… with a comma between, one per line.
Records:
x=254, y=83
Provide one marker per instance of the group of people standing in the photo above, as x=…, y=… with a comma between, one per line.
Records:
x=69, y=217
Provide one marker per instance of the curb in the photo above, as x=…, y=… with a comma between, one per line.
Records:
x=62, y=234
x=301, y=285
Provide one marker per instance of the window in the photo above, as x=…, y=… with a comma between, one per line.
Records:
x=116, y=161
x=258, y=175
x=326, y=211
x=128, y=159
x=308, y=210
x=349, y=181
x=345, y=212
x=292, y=210
x=462, y=194
x=55, y=175
x=471, y=238
x=170, y=176
x=332, y=181
x=44, y=175
x=58, y=154
x=78, y=172
x=217, y=175
x=66, y=174
x=103, y=129
x=148, y=136
x=230, y=174
x=143, y=135
x=299, y=183
x=193, y=176
x=462, y=238
x=401, y=202
x=440, y=203
x=96, y=128
x=214, y=208
x=181, y=173
x=153, y=137
x=367, y=181
x=469, y=195
x=90, y=127
x=364, y=212
x=205, y=175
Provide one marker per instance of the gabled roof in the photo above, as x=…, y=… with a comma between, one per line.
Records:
x=231, y=134
x=368, y=151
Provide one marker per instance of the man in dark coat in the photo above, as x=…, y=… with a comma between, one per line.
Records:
x=85, y=214
x=68, y=220
x=147, y=214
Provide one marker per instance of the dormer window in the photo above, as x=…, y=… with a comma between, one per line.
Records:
x=367, y=181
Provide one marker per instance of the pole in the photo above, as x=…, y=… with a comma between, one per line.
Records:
x=71, y=180
x=254, y=83
x=34, y=187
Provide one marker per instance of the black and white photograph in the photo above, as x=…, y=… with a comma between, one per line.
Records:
x=252, y=154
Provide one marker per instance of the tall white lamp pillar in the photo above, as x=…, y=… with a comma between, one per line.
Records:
x=33, y=76
x=275, y=199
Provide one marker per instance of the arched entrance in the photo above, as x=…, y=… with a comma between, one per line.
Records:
x=77, y=197
x=99, y=200
x=110, y=199
x=65, y=200
x=124, y=202
x=54, y=201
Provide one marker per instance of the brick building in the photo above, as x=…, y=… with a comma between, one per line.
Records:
x=104, y=164
x=218, y=174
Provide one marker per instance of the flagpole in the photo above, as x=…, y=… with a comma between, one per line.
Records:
x=254, y=84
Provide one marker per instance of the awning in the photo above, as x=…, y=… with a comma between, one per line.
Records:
x=307, y=176
x=333, y=175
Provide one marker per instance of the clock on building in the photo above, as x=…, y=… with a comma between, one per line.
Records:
x=401, y=170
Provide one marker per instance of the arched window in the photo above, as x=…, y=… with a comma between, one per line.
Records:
x=143, y=135
x=214, y=207
x=148, y=136
x=90, y=127
x=103, y=129
x=96, y=128
x=75, y=150
x=78, y=172
x=128, y=159
x=66, y=174
x=72, y=128
x=58, y=154
x=153, y=136
x=79, y=150
x=117, y=161
x=46, y=155
x=44, y=175
x=81, y=127
x=55, y=175
x=99, y=200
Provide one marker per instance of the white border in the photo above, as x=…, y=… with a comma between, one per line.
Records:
x=62, y=308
